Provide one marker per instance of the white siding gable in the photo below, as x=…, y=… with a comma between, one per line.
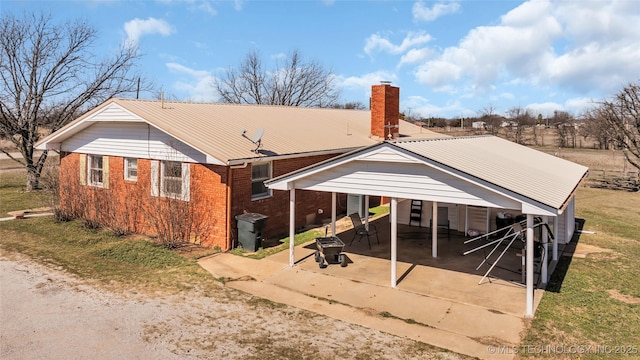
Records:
x=114, y=112
x=126, y=139
x=403, y=180
x=386, y=154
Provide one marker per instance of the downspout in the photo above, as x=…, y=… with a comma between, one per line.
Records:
x=229, y=198
x=228, y=222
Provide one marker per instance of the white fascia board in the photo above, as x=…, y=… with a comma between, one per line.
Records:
x=54, y=140
x=243, y=161
x=284, y=182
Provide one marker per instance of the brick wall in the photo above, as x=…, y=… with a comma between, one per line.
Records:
x=276, y=207
x=385, y=111
x=129, y=204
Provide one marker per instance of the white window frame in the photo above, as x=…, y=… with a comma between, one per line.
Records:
x=130, y=164
x=262, y=179
x=93, y=169
x=159, y=188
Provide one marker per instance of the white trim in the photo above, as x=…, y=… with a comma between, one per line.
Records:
x=127, y=162
x=90, y=168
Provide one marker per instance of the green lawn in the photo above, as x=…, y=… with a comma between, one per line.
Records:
x=590, y=301
x=597, y=303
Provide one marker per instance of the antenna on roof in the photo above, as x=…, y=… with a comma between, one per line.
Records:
x=256, y=138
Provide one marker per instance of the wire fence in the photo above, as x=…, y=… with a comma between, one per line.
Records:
x=613, y=179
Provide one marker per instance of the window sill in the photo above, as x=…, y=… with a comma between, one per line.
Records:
x=261, y=197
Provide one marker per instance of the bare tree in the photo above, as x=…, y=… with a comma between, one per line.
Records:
x=491, y=120
x=294, y=83
x=48, y=76
x=519, y=120
x=596, y=128
x=622, y=114
x=566, y=124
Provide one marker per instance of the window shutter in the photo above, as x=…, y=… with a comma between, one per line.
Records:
x=186, y=182
x=83, y=169
x=155, y=178
x=105, y=172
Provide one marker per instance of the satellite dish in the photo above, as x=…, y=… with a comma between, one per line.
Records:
x=257, y=137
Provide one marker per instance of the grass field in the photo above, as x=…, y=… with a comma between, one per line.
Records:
x=597, y=303
x=592, y=300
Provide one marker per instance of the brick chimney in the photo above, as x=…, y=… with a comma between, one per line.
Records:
x=385, y=111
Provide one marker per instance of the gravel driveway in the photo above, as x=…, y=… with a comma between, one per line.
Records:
x=47, y=314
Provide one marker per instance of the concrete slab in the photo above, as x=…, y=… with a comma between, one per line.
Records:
x=358, y=299
x=437, y=300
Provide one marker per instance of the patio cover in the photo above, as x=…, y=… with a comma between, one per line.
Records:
x=481, y=170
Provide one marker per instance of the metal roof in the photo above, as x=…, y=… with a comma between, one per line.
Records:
x=216, y=129
x=518, y=169
x=534, y=174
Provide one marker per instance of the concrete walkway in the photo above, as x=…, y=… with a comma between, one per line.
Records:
x=450, y=323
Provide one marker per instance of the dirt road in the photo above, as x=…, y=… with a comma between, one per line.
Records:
x=47, y=314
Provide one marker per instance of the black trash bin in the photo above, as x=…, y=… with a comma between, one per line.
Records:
x=250, y=228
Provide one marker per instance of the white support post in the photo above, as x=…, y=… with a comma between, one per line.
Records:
x=544, y=271
x=488, y=220
x=292, y=226
x=333, y=213
x=434, y=229
x=466, y=220
x=555, y=239
x=394, y=241
x=366, y=213
x=529, y=267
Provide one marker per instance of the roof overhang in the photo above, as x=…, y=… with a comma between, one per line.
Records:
x=385, y=169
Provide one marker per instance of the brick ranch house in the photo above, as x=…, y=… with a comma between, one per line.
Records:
x=130, y=164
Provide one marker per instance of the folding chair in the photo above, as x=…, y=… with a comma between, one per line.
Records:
x=359, y=229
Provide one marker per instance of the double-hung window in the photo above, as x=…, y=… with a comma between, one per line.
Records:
x=94, y=170
x=131, y=169
x=170, y=179
x=259, y=174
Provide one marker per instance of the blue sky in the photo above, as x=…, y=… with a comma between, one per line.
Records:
x=449, y=58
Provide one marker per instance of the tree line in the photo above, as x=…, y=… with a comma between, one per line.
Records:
x=50, y=76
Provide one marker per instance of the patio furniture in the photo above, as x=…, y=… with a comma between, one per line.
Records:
x=359, y=229
x=443, y=221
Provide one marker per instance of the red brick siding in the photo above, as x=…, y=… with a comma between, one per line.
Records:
x=276, y=207
x=385, y=111
x=127, y=204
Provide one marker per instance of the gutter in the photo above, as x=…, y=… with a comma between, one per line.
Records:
x=242, y=162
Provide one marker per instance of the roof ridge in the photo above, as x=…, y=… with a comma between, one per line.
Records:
x=230, y=104
x=444, y=137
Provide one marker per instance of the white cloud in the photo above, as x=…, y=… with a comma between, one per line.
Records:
x=415, y=56
x=136, y=28
x=586, y=47
x=207, y=7
x=424, y=13
x=365, y=81
x=197, y=84
x=377, y=42
x=546, y=108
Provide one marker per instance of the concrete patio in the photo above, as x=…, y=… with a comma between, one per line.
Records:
x=436, y=301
